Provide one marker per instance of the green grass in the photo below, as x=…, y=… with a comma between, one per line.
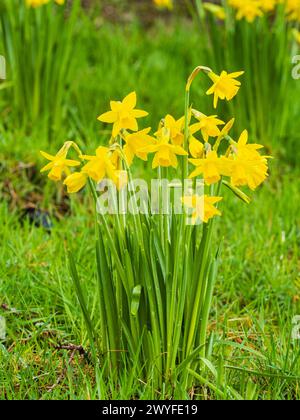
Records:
x=257, y=292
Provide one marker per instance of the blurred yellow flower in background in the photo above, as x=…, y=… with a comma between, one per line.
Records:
x=248, y=9
x=293, y=10
x=296, y=35
x=216, y=10
x=37, y=3
x=268, y=5
x=164, y=4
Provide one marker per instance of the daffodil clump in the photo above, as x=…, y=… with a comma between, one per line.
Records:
x=156, y=272
x=252, y=9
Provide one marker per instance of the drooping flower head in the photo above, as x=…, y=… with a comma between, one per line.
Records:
x=225, y=86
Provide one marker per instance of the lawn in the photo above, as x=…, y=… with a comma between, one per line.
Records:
x=251, y=346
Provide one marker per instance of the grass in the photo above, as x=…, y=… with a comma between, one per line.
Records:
x=251, y=351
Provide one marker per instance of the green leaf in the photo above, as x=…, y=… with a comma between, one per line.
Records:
x=136, y=296
x=236, y=191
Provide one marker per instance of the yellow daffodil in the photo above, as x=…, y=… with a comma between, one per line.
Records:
x=225, y=86
x=135, y=142
x=243, y=146
x=293, y=10
x=216, y=10
x=224, y=132
x=268, y=5
x=165, y=152
x=211, y=167
x=245, y=166
x=248, y=9
x=176, y=128
x=100, y=165
x=203, y=207
x=75, y=182
x=164, y=4
x=207, y=125
x=59, y=164
x=296, y=35
x=196, y=148
x=37, y=3
x=123, y=115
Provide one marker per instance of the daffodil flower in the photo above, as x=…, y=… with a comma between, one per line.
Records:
x=165, y=152
x=37, y=3
x=203, y=208
x=75, y=182
x=292, y=9
x=245, y=166
x=296, y=35
x=59, y=164
x=248, y=9
x=211, y=167
x=123, y=115
x=100, y=165
x=208, y=125
x=196, y=148
x=224, y=132
x=225, y=86
x=268, y=5
x=176, y=128
x=135, y=142
x=216, y=10
x=164, y=4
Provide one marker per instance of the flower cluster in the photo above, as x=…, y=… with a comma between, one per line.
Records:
x=251, y=9
x=37, y=3
x=195, y=138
